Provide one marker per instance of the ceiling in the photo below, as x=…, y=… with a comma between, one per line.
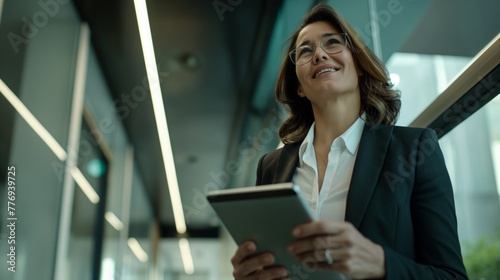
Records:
x=202, y=57
x=217, y=65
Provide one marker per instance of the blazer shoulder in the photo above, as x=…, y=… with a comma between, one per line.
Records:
x=271, y=158
x=272, y=155
x=412, y=133
x=277, y=165
x=266, y=166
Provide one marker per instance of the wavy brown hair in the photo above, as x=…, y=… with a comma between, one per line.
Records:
x=378, y=99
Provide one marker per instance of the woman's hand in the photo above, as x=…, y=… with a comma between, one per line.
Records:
x=351, y=253
x=248, y=267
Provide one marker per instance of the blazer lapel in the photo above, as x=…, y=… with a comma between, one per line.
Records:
x=287, y=162
x=367, y=167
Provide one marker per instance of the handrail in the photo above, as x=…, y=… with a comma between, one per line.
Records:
x=475, y=74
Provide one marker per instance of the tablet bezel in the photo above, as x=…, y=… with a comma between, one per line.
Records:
x=254, y=192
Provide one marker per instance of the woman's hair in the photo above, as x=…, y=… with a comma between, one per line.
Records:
x=378, y=99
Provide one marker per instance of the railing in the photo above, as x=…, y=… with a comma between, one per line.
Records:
x=474, y=87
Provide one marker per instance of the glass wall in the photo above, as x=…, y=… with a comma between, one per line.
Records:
x=87, y=220
x=139, y=255
x=29, y=47
x=472, y=155
x=470, y=150
x=78, y=207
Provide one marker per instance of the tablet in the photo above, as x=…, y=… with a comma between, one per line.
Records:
x=267, y=215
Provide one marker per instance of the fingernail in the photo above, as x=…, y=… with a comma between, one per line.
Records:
x=250, y=247
x=296, y=231
x=269, y=259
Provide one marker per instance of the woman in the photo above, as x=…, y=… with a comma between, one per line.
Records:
x=382, y=193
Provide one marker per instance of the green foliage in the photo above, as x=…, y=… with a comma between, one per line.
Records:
x=483, y=259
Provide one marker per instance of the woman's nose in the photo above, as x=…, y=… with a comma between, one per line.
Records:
x=319, y=54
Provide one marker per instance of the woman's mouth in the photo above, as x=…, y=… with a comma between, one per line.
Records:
x=325, y=70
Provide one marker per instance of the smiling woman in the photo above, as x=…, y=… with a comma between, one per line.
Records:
x=379, y=100
x=381, y=193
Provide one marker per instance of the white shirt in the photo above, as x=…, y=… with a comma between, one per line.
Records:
x=330, y=202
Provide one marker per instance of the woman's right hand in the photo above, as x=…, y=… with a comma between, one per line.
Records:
x=247, y=267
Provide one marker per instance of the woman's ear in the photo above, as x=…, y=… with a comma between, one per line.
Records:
x=300, y=92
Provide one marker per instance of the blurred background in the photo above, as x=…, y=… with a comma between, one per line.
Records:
x=118, y=117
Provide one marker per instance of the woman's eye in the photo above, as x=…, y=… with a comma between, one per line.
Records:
x=332, y=42
x=305, y=50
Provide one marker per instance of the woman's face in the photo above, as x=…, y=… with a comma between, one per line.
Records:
x=326, y=76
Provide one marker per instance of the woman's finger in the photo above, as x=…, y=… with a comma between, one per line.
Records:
x=327, y=256
x=320, y=228
x=243, y=251
x=252, y=265
x=316, y=243
x=269, y=274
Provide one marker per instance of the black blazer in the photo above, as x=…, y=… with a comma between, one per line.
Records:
x=400, y=197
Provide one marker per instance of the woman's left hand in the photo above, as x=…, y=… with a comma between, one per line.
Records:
x=351, y=253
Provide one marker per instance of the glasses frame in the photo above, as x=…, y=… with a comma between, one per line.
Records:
x=291, y=54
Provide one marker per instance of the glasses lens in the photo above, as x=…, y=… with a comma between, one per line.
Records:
x=334, y=44
x=331, y=44
x=303, y=54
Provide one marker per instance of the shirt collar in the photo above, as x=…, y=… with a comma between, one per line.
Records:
x=352, y=135
x=350, y=138
x=306, y=145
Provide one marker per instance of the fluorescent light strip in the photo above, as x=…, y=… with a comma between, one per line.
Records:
x=49, y=140
x=85, y=186
x=1, y=9
x=137, y=249
x=159, y=111
x=108, y=269
x=32, y=121
x=113, y=220
x=162, y=127
x=186, y=256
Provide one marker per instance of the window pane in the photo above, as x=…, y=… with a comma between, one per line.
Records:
x=472, y=154
x=421, y=78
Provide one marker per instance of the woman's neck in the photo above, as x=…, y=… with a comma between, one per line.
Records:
x=333, y=118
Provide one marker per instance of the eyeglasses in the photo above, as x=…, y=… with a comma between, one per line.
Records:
x=331, y=44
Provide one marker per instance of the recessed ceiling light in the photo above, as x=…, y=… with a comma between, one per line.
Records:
x=190, y=61
x=96, y=168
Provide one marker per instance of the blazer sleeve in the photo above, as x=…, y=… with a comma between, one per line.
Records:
x=437, y=248
x=259, y=171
